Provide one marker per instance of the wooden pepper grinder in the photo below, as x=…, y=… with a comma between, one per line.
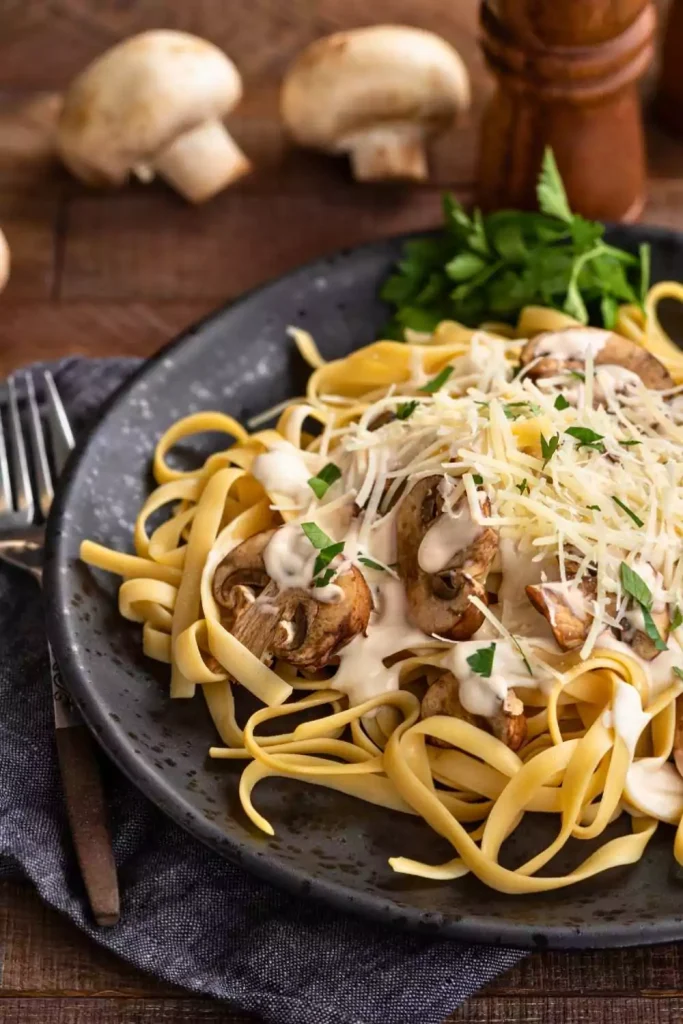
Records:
x=566, y=74
x=669, y=97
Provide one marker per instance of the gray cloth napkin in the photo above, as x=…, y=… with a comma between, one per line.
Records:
x=188, y=916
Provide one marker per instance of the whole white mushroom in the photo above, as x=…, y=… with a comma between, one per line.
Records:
x=154, y=104
x=377, y=94
x=4, y=261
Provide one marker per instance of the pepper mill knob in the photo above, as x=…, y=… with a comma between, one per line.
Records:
x=566, y=74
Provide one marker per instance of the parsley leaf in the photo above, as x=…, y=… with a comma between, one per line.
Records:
x=587, y=438
x=676, y=618
x=493, y=265
x=436, y=383
x=524, y=486
x=630, y=442
x=578, y=374
x=652, y=631
x=634, y=585
x=481, y=661
x=595, y=507
x=406, y=409
x=326, y=555
x=552, y=198
x=321, y=483
x=324, y=579
x=370, y=564
x=478, y=479
x=636, y=519
x=548, y=448
x=561, y=402
x=317, y=537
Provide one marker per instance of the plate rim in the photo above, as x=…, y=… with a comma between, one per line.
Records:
x=111, y=737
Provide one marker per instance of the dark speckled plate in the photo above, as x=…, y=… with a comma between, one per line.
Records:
x=327, y=846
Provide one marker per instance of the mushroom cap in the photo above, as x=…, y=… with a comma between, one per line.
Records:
x=611, y=350
x=4, y=261
x=386, y=74
x=134, y=100
x=439, y=602
x=289, y=624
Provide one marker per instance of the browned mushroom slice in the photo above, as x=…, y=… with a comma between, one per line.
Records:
x=288, y=624
x=439, y=602
x=678, y=736
x=507, y=725
x=556, y=351
x=509, y=722
x=240, y=577
x=641, y=643
x=570, y=624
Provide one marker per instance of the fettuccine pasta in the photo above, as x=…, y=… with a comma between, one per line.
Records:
x=461, y=557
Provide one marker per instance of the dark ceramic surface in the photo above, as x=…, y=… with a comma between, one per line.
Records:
x=327, y=845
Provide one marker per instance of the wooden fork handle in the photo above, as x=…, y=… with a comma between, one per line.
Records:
x=85, y=805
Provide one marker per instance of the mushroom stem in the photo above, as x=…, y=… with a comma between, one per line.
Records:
x=389, y=151
x=202, y=161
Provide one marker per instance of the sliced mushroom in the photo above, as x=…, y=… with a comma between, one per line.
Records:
x=556, y=351
x=641, y=643
x=508, y=724
x=570, y=625
x=439, y=602
x=291, y=625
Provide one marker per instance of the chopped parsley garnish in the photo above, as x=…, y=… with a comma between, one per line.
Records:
x=406, y=409
x=523, y=487
x=317, y=537
x=561, y=403
x=478, y=479
x=596, y=508
x=327, y=550
x=481, y=661
x=676, y=618
x=587, y=438
x=436, y=383
x=514, y=409
x=548, y=448
x=629, y=512
x=324, y=578
x=370, y=564
x=629, y=443
x=326, y=555
x=636, y=587
x=321, y=483
x=652, y=631
x=578, y=375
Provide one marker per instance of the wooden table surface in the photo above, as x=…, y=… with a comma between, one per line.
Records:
x=105, y=274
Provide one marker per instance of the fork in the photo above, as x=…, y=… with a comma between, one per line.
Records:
x=22, y=533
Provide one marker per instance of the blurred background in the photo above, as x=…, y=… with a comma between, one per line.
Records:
x=121, y=272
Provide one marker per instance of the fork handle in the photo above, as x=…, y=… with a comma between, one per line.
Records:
x=85, y=804
x=86, y=811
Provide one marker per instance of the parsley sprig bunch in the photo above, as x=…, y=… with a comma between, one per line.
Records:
x=490, y=267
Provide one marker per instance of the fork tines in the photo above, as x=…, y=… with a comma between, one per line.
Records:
x=17, y=492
